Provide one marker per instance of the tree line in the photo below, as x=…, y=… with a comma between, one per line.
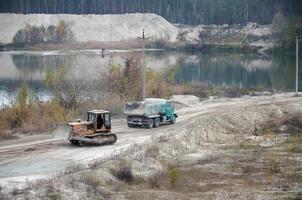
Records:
x=176, y=11
x=35, y=35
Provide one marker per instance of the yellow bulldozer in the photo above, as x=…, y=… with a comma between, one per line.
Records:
x=96, y=130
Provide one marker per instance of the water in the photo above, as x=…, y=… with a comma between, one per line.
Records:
x=229, y=69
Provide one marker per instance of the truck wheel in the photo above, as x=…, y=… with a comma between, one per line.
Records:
x=150, y=123
x=156, y=122
x=173, y=120
x=130, y=125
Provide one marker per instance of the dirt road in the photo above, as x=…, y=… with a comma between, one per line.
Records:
x=41, y=156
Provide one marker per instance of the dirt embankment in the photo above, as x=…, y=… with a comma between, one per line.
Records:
x=122, y=31
x=226, y=34
x=240, y=149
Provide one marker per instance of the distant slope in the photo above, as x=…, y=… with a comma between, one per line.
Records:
x=226, y=34
x=93, y=27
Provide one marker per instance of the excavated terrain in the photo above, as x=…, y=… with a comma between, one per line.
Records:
x=245, y=148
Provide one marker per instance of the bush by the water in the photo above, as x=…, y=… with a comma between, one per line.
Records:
x=127, y=80
x=27, y=115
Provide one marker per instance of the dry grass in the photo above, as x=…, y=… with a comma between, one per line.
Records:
x=32, y=118
x=156, y=180
x=92, y=181
x=52, y=193
x=152, y=151
x=27, y=115
x=122, y=171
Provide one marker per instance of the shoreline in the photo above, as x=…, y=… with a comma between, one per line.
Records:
x=128, y=46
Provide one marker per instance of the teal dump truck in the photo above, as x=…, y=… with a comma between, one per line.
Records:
x=150, y=113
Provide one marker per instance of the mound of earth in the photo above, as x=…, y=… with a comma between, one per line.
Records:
x=86, y=28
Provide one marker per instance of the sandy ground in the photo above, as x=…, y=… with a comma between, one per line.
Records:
x=43, y=156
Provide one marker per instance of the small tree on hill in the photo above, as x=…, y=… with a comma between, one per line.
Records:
x=35, y=35
x=61, y=32
x=20, y=37
x=51, y=34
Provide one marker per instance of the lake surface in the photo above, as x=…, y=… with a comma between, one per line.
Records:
x=228, y=69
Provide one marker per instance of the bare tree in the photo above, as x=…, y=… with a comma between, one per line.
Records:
x=69, y=91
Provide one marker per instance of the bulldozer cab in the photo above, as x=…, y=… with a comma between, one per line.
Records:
x=100, y=119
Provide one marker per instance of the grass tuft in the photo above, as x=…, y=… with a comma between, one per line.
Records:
x=123, y=172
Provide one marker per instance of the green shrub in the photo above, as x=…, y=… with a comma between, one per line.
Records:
x=173, y=175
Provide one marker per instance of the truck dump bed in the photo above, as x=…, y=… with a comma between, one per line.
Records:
x=145, y=108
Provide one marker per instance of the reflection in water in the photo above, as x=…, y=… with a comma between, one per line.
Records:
x=241, y=70
x=226, y=70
